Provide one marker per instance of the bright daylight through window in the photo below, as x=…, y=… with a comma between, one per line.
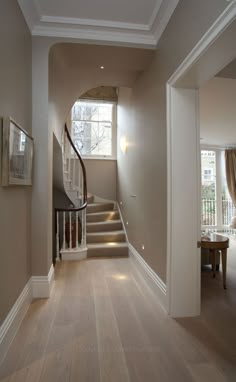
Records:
x=217, y=206
x=92, y=127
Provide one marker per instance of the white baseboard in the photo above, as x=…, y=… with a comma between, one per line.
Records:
x=74, y=254
x=37, y=287
x=14, y=318
x=41, y=285
x=157, y=285
x=122, y=221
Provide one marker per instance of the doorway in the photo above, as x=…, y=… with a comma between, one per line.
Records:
x=214, y=51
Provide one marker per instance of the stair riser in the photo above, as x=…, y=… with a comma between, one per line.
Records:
x=107, y=252
x=102, y=217
x=105, y=238
x=99, y=208
x=104, y=227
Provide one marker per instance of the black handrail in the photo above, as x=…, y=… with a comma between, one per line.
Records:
x=85, y=196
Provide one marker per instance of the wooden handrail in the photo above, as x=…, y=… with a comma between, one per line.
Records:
x=85, y=197
x=71, y=209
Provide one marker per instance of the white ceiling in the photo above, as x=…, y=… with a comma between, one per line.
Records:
x=112, y=10
x=137, y=22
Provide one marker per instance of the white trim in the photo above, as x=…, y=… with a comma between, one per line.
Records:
x=183, y=260
x=36, y=287
x=160, y=286
x=122, y=221
x=93, y=23
x=74, y=254
x=30, y=11
x=224, y=20
x=146, y=35
x=143, y=39
x=169, y=198
x=162, y=17
x=12, y=322
x=42, y=285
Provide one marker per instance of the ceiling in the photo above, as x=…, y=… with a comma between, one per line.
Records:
x=137, y=22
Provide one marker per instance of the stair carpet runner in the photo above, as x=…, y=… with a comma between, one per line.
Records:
x=105, y=234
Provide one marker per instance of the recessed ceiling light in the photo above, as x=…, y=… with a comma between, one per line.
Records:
x=102, y=67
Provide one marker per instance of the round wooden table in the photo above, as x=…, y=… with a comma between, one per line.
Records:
x=214, y=243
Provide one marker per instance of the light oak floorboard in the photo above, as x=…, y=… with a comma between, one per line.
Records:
x=104, y=323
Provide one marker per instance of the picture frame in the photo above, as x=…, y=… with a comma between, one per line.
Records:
x=16, y=154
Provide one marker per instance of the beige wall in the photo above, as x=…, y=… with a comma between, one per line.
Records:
x=75, y=68
x=142, y=117
x=15, y=202
x=190, y=21
x=218, y=112
x=101, y=178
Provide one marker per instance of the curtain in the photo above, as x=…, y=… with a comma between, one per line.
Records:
x=230, y=167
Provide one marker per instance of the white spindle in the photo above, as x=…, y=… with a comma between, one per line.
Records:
x=83, y=239
x=70, y=230
x=77, y=228
x=69, y=169
x=84, y=228
x=57, y=237
x=64, y=231
x=79, y=181
x=73, y=177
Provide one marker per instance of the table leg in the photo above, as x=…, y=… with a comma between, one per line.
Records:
x=213, y=252
x=224, y=264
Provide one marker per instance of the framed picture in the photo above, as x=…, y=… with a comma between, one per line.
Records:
x=16, y=155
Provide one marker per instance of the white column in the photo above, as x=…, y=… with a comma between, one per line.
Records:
x=41, y=212
x=184, y=203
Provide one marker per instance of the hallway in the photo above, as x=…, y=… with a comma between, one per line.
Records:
x=103, y=323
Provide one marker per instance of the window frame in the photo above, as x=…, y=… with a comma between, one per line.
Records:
x=113, y=155
x=219, y=152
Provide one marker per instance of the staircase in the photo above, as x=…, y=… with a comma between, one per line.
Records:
x=105, y=234
x=87, y=227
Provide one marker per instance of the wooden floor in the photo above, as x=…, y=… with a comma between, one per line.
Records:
x=103, y=324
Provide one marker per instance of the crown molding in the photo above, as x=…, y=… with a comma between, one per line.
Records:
x=145, y=35
x=96, y=35
x=223, y=21
x=162, y=17
x=93, y=23
x=31, y=12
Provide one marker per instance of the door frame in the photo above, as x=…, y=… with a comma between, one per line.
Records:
x=183, y=293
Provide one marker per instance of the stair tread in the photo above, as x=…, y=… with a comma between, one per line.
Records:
x=108, y=245
x=102, y=212
x=99, y=204
x=103, y=222
x=120, y=232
